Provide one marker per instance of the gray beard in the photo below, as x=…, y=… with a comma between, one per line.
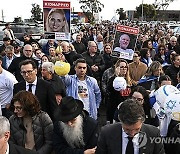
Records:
x=74, y=135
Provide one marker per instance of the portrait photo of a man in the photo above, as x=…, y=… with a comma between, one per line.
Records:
x=124, y=44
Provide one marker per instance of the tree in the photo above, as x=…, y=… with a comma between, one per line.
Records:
x=89, y=7
x=36, y=12
x=162, y=4
x=121, y=13
x=149, y=11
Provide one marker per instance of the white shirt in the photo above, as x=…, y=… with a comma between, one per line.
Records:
x=125, y=142
x=7, y=151
x=33, y=86
x=125, y=54
x=8, y=61
x=7, y=81
x=83, y=94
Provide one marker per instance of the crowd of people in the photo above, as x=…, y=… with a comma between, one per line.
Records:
x=44, y=112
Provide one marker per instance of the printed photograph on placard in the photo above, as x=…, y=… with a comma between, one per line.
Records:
x=57, y=19
x=124, y=43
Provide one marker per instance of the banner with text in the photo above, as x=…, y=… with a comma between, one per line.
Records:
x=56, y=19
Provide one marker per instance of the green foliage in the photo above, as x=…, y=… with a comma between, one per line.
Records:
x=162, y=4
x=90, y=7
x=36, y=12
x=149, y=11
x=121, y=13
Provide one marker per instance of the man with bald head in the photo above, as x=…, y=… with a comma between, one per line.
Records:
x=123, y=50
x=14, y=66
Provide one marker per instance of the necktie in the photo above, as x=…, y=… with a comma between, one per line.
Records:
x=30, y=87
x=12, y=38
x=130, y=147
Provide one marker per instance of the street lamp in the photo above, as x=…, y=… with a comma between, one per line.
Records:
x=142, y=10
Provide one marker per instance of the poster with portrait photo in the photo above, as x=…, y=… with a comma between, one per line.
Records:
x=124, y=42
x=56, y=19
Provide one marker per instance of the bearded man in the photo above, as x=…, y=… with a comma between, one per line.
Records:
x=75, y=132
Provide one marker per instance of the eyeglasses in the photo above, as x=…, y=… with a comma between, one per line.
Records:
x=29, y=50
x=28, y=72
x=135, y=56
x=138, y=99
x=161, y=49
x=18, y=108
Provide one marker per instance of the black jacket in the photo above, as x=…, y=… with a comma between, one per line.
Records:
x=110, y=140
x=15, y=149
x=97, y=60
x=172, y=71
x=90, y=132
x=42, y=129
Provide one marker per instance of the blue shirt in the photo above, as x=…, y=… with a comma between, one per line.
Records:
x=93, y=91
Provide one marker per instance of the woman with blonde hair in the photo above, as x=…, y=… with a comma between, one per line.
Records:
x=56, y=21
x=116, y=97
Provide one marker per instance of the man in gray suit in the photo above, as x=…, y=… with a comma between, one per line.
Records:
x=130, y=136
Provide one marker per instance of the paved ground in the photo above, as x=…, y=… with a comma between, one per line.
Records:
x=102, y=116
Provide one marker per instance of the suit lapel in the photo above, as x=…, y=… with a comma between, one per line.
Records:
x=142, y=149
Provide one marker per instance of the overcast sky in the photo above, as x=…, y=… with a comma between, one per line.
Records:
x=22, y=8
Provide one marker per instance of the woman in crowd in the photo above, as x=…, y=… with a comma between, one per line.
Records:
x=116, y=97
x=148, y=44
x=145, y=56
x=56, y=21
x=173, y=69
x=31, y=128
x=162, y=55
x=151, y=77
x=140, y=94
x=107, y=56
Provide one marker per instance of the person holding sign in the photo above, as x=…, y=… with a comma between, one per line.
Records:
x=125, y=53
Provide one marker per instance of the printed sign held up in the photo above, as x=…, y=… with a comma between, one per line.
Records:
x=57, y=19
x=125, y=40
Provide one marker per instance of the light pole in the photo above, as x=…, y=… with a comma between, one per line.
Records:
x=142, y=10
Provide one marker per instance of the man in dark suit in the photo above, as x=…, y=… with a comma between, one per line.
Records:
x=14, y=66
x=130, y=136
x=9, y=56
x=41, y=88
x=9, y=148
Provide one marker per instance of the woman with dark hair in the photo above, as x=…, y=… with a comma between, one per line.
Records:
x=173, y=69
x=148, y=44
x=140, y=94
x=31, y=128
x=107, y=56
x=162, y=55
x=114, y=98
x=145, y=56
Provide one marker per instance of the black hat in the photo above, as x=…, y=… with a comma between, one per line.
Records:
x=6, y=39
x=69, y=109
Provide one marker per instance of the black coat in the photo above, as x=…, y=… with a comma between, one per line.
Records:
x=45, y=94
x=110, y=140
x=90, y=132
x=97, y=60
x=15, y=149
x=42, y=129
x=172, y=71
